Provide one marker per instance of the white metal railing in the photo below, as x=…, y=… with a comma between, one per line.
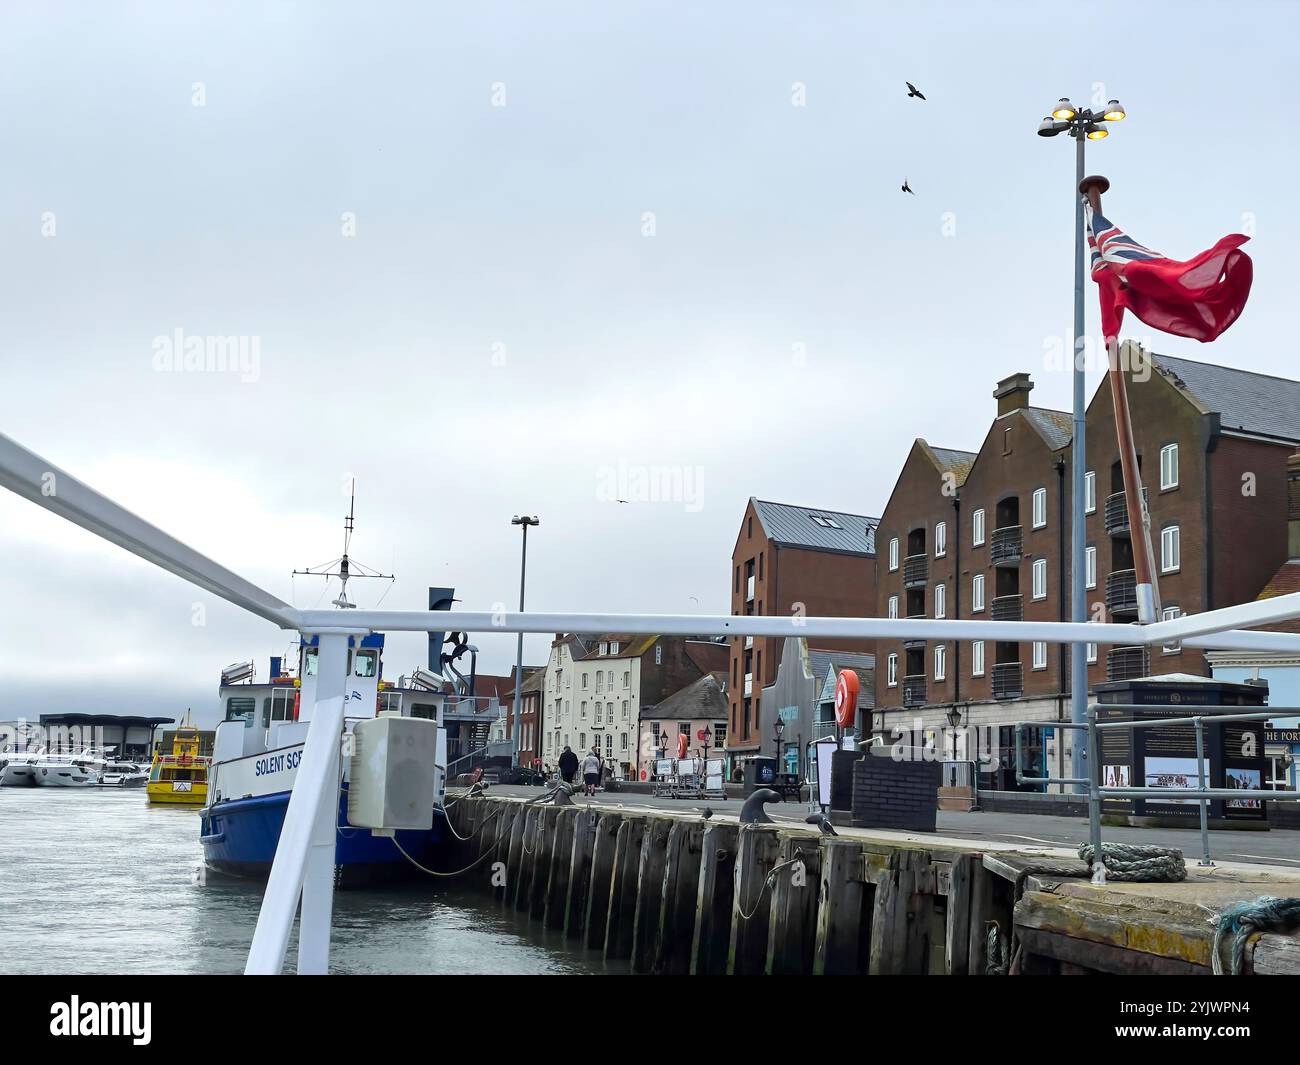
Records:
x=301, y=880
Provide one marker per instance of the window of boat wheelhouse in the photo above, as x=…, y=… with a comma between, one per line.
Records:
x=309, y=662
x=278, y=706
x=425, y=711
x=366, y=663
x=390, y=702
x=241, y=708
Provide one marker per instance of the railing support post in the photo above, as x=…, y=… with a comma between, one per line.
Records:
x=1203, y=803
x=304, y=859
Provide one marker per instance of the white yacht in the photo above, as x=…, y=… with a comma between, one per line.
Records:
x=79, y=770
x=17, y=769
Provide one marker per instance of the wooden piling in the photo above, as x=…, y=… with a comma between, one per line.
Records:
x=580, y=872
x=751, y=904
x=514, y=849
x=557, y=887
x=837, y=950
x=792, y=922
x=676, y=931
x=649, y=894
x=900, y=925
x=546, y=824
x=713, y=900
x=602, y=873
x=957, y=937
x=981, y=911
x=621, y=911
x=527, y=857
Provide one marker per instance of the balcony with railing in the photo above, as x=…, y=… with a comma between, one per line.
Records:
x=1121, y=593
x=913, y=642
x=1008, y=680
x=1005, y=546
x=1117, y=513
x=1009, y=608
x=1128, y=663
x=916, y=570
x=914, y=690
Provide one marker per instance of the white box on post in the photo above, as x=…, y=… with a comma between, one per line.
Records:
x=392, y=774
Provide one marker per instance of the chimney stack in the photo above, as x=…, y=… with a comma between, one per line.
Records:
x=1012, y=393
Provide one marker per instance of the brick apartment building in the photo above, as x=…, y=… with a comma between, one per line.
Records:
x=986, y=535
x=788, y=559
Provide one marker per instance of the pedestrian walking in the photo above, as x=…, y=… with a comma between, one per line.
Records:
x=591, y=771
x=568, y=765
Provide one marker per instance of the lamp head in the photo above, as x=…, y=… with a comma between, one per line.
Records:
x=1064, y=110
x=1114, y=112
x=1095, y=132
x=1050, y=127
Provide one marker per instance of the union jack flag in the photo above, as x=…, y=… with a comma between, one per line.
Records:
x=1198, y=298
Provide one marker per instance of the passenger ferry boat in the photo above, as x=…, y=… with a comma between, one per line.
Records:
x=259, y=746
x=180, y=778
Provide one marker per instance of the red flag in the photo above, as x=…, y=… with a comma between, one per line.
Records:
x=1198, y=298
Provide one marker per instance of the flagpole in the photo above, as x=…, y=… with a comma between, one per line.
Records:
x=1139, y=518
x=1079, y=456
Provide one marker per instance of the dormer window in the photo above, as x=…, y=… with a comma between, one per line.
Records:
x=604, y=648
x=613, y=647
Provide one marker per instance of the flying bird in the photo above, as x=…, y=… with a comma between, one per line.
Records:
x=912, y=90
x=907, y=187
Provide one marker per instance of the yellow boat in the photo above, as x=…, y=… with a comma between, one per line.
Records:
x=182, y=776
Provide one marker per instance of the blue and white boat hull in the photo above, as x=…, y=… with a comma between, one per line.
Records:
x=239, y=837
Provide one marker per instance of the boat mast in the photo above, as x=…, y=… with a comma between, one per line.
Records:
x=344, y=567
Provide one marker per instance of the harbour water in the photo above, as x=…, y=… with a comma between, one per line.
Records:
x=98, y=881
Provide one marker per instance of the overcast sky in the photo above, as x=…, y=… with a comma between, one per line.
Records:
x=491, y=255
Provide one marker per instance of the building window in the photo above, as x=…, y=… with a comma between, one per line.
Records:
x=604, y=650
x=627, y=678
x=659, y=652
x=1089, y=492
x=977, y=593
x=893, y=606
x=584, y=681
x=1169, y=466
x=1040, y=654
x=940, y=601
x=1090, y=566
x=977, y=527
x=893, y=554
x=600, y=680
x=891, y=671
x=625, y=710
x=941, y=539
x=622, y=742
x=1170, y=549
x=977, y=658
x=600, y=714
x=1040, y=578
x=1092, y=654
x=582, y=740
x=1040, y=507
x=613, y=649
x=940, y=662
x=582, y=710
x=1168, y=614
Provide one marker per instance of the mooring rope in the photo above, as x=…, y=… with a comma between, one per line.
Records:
x=995, y=951
x=458, y=872
x=1242, y=920
x=768, y=881
x=1137, y=861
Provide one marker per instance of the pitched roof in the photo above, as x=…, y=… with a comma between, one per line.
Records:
x=708, y=655
x=1254, y=402
x=824, y=530
x=950, y=460
x=1055, y=426
x=628, y=646
x=864, y=665
x=701, y=700
x=534, y=683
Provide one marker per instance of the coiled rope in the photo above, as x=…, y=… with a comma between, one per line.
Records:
x=1137, y=861
x=1242, y=920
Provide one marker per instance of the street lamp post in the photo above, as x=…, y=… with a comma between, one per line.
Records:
x=778, y=730
x=1081, y=124
x=525, y=521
